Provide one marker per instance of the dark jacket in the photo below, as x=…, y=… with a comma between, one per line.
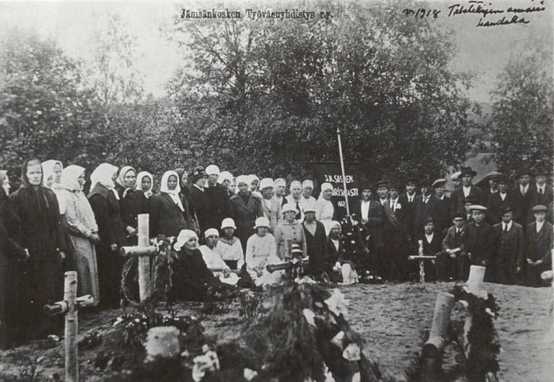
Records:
x=409, y=213
x=191, y=277
x=522, y=205
x=440, y=212
x=423, y=211
x=434, y=247
x=458, y=199
x=317, y=249
x=107, y=212
x=496, y=206
x=375, y=220
x=544, y=198
x=166, y=218
x=199, y=202
x=217, y=205
x=511, y=247
x=540, y=244
x=481, y=243
x=245, y=211
x=454, y=240
x=131, y=205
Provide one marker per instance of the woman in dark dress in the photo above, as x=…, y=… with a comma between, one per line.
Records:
x=145, y=185
x=34, y=223
x=129, y=202
x=169, y=211
x=104, y=201
x=316, y=241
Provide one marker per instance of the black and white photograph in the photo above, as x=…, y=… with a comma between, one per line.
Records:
x=280, y=191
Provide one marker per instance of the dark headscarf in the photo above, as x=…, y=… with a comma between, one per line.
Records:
x=36, y=195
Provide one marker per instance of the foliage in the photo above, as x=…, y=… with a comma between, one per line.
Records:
x=279, y=89
x=522, y=115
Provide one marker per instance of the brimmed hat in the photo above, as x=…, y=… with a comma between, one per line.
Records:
x=525, y=170
x=428, y=220
x=262, y=222
x=467, y=171
x=280, y=182
x=493, y=175
x=288, y=207
x=228, y=223
x=309, y=207
x=267, y=183
x=458, y=215
x=477, y=207
x=540, y=208
x=507, y=209
x=296, y=249
x=438, y=182
x=211, y=232
x=307, y=183
x=382, y=183
x=326, y=186
x=212, y=170
x=197, y=173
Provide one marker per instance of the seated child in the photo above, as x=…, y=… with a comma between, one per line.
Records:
x=229, y=246
x=213, y=260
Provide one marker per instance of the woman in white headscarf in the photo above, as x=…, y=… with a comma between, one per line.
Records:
x=52, y=173
x=169, y=211
x=82, y=228
x=145, y=185
x=129, y=202
x=104, y=201
x=325, y=210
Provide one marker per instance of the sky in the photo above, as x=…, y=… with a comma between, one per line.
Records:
x=73, y=24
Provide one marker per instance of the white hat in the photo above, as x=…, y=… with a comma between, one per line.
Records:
x=477, y=207
x=309, y=207
x=253, y=177
x=307, y=183
x=267, y=183
x=212, y=170
x=326, y=186
x=211, y=232
x=184, y=236
x=262, y=222
x=224, y=175
x=288, y=208
x=334, y=224
x=280, y=182
x=243, y=179
x=228, y=223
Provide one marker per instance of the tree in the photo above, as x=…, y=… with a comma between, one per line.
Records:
x=273, y=92
x=522, y=113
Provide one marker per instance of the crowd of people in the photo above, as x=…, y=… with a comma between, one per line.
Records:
x=223, y=226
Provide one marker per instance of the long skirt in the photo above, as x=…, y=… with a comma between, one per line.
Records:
x=87, y=267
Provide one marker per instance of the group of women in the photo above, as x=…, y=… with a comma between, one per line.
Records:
x=49, y=225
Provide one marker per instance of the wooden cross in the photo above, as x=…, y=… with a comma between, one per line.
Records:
x=421, y=258
x=143, y=251
x=70, y=306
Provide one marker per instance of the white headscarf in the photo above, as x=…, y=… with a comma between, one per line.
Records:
x=324, y=187
x=146, y=174
x=121, y=178
x=225, y=175
x=48, y=169
x=103, y=174
x=174, y=194
x=70, y=178
x=184, y=236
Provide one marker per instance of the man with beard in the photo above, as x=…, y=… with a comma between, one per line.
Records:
x=216, y=198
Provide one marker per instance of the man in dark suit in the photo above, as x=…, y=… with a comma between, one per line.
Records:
x=423, y=208
x=453, y=263
x=490, y=184
x=198, y=197
x=542, y=192
x=508, y=257
x=216, y=198
x=371, y=214
x=408, y=201
x=522, y=196
x=440, y=208
x=482, y=237
x=499, y=201
x=466, y=191
x=540, y=238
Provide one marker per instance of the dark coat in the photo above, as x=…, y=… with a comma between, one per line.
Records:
x=509, y=253
x=423, y=211
x=496, y=206
x=166, y=218
x=481, y=243
x=245, y=211
x=191, y=277
x=199, y=202
x=458, y=199
x=375, y=221
x=522, y=204
x=434, y=247
x=133, y=204
x=458, y=267
x=218, y=206
x=544, y=198
x=34, y=222
x=539, y=246
x=409, y=213
x=440, y=212
x=317, y=249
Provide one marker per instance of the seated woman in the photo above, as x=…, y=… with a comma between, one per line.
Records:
x=261, y=250
x=213, y=261
x=229, y=246
x=191, y=279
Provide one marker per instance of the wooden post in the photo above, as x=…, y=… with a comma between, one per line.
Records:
x=143, y=251
x=421, y=260
x=69, y=306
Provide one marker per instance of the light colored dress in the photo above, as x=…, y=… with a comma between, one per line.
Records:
x=230, y=250
x=80, y=221
x=214, y=261
x=324, y=213
x=260, y=252
x=285, y=235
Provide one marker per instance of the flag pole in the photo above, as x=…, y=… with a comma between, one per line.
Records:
x=343, y=173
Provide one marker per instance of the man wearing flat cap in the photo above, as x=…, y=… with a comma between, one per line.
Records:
x=540, y=239
x=481, y=236
x=218, y=206
x=508, y=256
x=467, y=190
